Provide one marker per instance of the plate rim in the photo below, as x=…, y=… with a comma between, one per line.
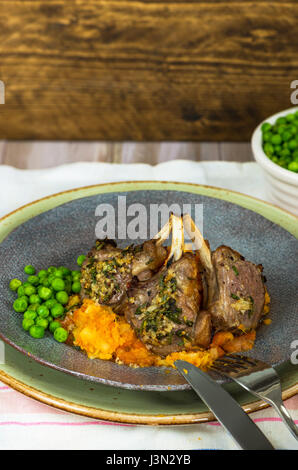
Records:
x=141, y=182
x=129, y=418
x=109, y=415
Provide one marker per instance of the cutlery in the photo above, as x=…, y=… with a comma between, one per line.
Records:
x=228, y=412
x=258, y=378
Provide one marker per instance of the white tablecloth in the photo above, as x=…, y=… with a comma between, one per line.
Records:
x=27, y=424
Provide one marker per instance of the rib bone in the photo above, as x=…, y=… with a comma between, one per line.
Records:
x=164, y=233
x=177, y=246
x=205, y=256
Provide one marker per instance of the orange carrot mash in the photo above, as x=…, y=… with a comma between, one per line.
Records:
x=103, y=334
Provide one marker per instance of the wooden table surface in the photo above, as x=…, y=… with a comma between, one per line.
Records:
x=36, y=154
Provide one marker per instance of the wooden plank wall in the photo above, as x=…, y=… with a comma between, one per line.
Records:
x=142, y=70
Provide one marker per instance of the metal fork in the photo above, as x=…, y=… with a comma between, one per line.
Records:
x=258, y=378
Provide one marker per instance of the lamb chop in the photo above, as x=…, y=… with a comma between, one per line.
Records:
x=234, y=288
x=164, y=310
x=108, y=271
x=175, y=298
x=241, y=292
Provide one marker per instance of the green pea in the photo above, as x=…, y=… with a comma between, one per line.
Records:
x=15, y=284
x=29, y=269
x=281, y=120
x=60, y=335
x=267, y=136
x=50, y=319
x=51, y=278
x=45, y=281
x=280, y=129
x=43, y=311
x=30, y=315
x=34, y=299
x=65, y=271
x=292, y=129
x=265, y=127
x=50, y=303
x=42, y=273
x=37, y=331
x=293, y=144
x=42, y=322
x=34, y=280
x=29, y=290
x=21, y=291
x=268, y=149
x=54, y=325
x=58, y=284
x=20, y=305
x=293, y=166
x=52, y=269
x=34, y=307
x=27, y=323
x=76, y=275
x=62, y=297
x=58, y=274
x=81, y=260
x=277, y=149
x=44, y=293
x=57, y=310
x=290, y=117
x=286, y=135
x=76, y=279
x=276, y=139
x=76, y=287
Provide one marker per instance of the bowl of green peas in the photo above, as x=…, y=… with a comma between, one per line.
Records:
x=44, y=297
x=275, y=148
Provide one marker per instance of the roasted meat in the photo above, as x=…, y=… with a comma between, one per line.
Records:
x=108, y=271
x=163, y=311
x=174, y=298
x=240, y=294
x=234, y=292
x=202, y=330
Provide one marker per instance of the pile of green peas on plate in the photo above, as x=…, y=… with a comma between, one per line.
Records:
x=280, y=141
x=43, y=297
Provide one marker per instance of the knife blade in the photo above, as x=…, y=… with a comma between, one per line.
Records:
x=228, y=412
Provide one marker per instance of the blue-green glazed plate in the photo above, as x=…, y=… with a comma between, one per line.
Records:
x=56, y=229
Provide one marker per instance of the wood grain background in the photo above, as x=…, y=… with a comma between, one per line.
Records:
x=144, y=70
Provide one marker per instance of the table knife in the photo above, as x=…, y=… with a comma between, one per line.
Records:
x=228, y=412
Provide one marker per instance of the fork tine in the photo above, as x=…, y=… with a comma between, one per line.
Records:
x=226, y=367
x=248, y=360
x=239, y=360
x=234, y=364
x=227, y=364
x=223, y=368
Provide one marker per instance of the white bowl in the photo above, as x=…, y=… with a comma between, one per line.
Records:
x=281, y=184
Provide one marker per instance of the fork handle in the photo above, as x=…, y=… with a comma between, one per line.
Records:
x=284, y=414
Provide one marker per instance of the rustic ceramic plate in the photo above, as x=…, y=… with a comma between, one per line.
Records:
x=56, y=229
